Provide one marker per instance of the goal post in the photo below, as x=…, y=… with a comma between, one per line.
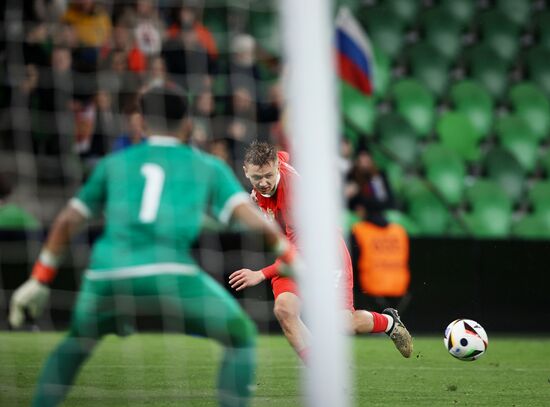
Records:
x=307, y=32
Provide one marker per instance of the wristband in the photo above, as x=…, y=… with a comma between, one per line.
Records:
x=45, y=268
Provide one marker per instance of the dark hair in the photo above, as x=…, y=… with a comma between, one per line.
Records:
x=163, y=107
x=260, y=153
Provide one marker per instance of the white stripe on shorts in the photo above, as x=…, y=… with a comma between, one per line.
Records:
x=142, y=271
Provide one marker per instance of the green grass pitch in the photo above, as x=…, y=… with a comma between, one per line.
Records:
x=174, y=370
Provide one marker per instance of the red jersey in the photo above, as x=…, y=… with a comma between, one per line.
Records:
x=277, y=207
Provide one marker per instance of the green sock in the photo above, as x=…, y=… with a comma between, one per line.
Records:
x=236, y=379
x=60, y=371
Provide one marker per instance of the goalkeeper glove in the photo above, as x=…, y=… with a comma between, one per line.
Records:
x=31, y=296
x=34, y=293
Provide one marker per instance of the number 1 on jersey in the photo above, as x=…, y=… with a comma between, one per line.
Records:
x=150, y=200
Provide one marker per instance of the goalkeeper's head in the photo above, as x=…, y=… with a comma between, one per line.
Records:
x=165, y=111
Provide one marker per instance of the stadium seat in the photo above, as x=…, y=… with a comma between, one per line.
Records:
x=503, y=168
x=542, y=25
x=539, y=70
x=397, y=137
x=385, y=29
x=405, y=10
x=359, y=111
x=416, y=104
x=516, y=136
x=491, y=214
x=544, y=163
x=445, y=170
x=395, y=216
x=488, y=69
x=500, y=34
x=517, y=11
x=383, y=73
x=426, y=209
x=264, y=27
x=530, y=103
x=215, y=18
x=460, y=10
x=474, y=101
x=429, y=67
x=442, y=32
x=539, y=197
x=531, y=226
x=457, y=132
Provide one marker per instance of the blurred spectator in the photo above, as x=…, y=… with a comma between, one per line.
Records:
x=157, y=74
x=134, y=132
x=149, y=29
x=187, y=60
x=243, y=70
x=52, y=122
x=91, y=22
x=123, y=41
x=367, y=190
x=187, y=20
x=92, y=27
x=203, y=110
x=381, y=255
x=36, y=49
x=12, y=215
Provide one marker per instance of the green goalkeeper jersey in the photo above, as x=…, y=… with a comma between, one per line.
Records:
x=154, y=197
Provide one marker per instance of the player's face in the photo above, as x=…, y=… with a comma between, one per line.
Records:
x=264, y=178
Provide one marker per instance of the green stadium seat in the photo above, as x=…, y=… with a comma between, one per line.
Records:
x=542, y=24
x=429, y=67
x=396, y=177
x=517, y=11
x=359, y=111
x=457, y=132
x=384, y=27
x=460, y=10
x=382, y=75
x=264, y=27
x=426, y=209
x=215, y=18
x=539, y=197
x=531, y=226
x=474, y=101
x=516, y=136
x=395, y=216
x=544, y=163
x=500, y=34
x=491, y=214
x=416, y=104
x=488, y=69
x=446, y=171
x=398, y=139
x=405, y=10
x=539, y=69
x=503, y=168
x=442, y=32
x=530, y=103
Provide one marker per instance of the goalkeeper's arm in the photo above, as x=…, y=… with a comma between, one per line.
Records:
x=34, y=293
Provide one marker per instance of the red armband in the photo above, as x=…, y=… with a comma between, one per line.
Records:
x=44, y=274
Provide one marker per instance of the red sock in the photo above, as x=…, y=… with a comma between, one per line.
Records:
x=380, y=322
x=304, y=355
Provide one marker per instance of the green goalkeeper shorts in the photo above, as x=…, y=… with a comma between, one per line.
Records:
x=194, y=304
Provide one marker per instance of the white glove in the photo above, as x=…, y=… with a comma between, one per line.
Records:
x=32, y=295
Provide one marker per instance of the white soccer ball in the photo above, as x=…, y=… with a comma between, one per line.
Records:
x=465, y=339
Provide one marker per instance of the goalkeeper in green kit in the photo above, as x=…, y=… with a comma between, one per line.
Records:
x=153, y=197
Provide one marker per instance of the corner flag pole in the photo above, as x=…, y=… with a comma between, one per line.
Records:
x=312, y=100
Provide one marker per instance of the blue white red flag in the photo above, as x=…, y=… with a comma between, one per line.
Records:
x=354, y=53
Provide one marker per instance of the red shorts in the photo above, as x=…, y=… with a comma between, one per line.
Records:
x=281, y=285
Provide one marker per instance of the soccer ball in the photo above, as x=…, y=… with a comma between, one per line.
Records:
x=465, y=339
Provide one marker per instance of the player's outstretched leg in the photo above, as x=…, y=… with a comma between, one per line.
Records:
x=399, y=334
x=60, y=371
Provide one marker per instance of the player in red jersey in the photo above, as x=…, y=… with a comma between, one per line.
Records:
x=271, y=176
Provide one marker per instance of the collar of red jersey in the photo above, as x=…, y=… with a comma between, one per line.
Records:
x=158, y=140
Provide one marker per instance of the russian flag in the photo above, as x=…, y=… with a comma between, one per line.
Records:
x=354, y=53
